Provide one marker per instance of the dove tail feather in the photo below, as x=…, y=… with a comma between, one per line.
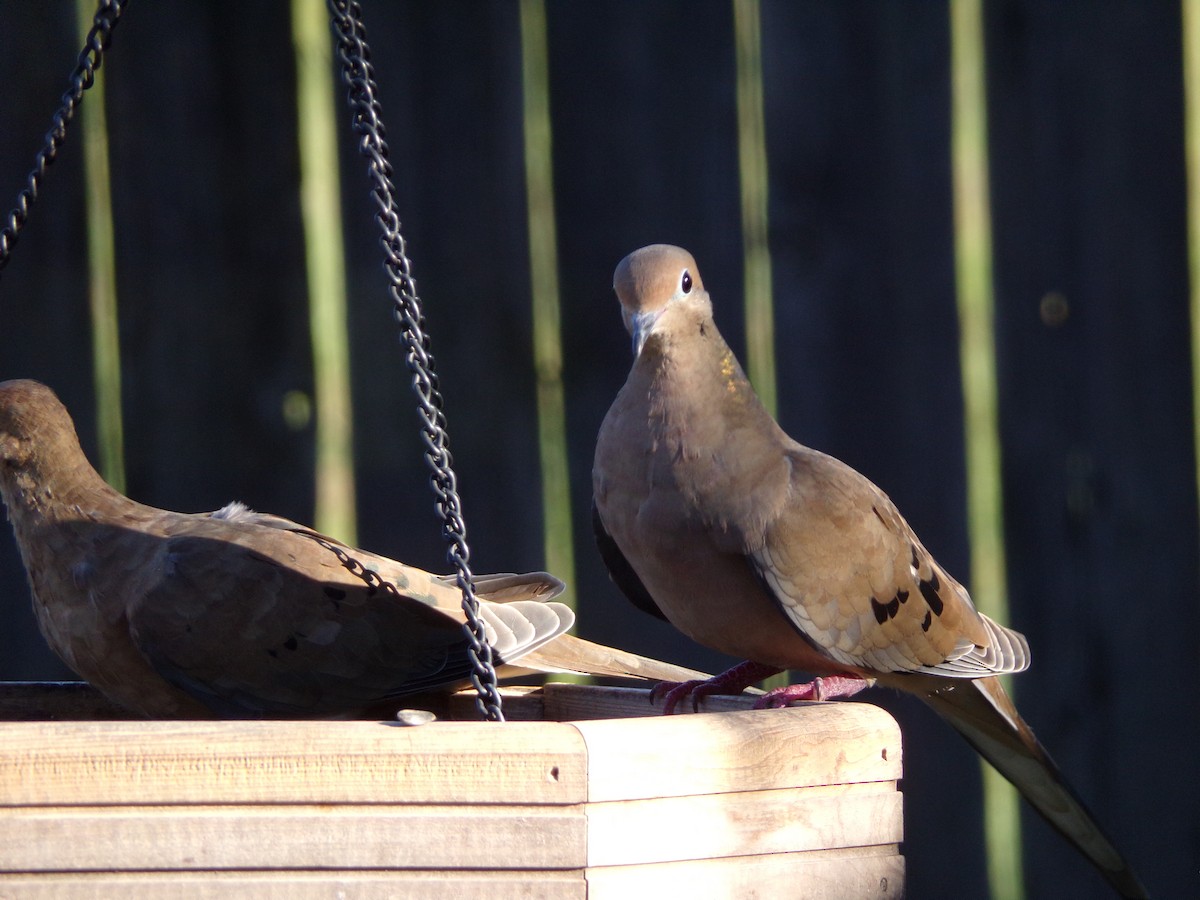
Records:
x=982, y=713
x=506, y=587
x=568, y=653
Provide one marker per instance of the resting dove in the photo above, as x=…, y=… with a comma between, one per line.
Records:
x=708, y=515
x=242, y=614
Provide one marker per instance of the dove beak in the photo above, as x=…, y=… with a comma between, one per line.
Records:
x=639, y=326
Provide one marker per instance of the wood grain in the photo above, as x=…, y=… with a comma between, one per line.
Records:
x=673, y=756
x=292, y=837
x=743, y=824
x=576, y=702
x=59, y=763
x=876, y=872
x=292, y=885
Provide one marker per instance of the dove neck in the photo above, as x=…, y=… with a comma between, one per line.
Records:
x=699, y=395
x=710, y=438
x=53, y=480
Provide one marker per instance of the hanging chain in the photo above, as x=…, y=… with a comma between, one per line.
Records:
x=367, y=123
x=358, y=74
x=84, y=76
x=372, y=579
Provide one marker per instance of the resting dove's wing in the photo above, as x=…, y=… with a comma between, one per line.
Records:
x=237, y=613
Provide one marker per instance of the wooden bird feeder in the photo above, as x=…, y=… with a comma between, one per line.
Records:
x=590, y=795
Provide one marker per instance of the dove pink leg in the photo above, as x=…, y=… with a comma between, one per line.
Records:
x=826, y=688
x=731, y=681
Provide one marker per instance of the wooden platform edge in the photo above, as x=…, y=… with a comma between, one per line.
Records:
x=22, y=701
x=639, y=756
x=876, y=872
x=55, y=701
x=827, y=875
x=424, y=884
x=709, y=804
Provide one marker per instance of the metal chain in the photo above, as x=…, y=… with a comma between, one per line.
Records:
x=372, y=579
x=367, y=122
x=98, y=38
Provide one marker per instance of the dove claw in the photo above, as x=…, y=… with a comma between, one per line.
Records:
x=818, y=689
x=731, y=681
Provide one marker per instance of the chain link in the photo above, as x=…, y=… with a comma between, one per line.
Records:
x=372, y=579
x=367, y=122
x=107, y=15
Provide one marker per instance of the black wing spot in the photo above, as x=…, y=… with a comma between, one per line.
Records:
x=880, y=610
x=885, y=611
x=928, y=621
x=291, y=643
x=929, y=590
x=901, y=596
x=916, y=563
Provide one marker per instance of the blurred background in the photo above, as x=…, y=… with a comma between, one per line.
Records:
x=961, y=230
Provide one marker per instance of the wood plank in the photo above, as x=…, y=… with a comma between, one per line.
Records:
x=45, y=701
x=36, y=701
x=522, y=703
x=673, y=756
x=61, y=763
x=876, y=872
x=124, y=838
x=743, y=824
x=206, y=762
x=567, y=702
x=578, y=702
x=292, y=885
x=23, y=701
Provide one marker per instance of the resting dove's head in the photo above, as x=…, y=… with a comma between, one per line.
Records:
x=653, y=280
x=29, y=413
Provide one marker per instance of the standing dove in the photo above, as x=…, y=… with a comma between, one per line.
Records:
x=241, y=614
x=708, y=515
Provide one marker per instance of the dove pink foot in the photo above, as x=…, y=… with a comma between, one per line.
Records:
x=731, y=681
x=826, y=688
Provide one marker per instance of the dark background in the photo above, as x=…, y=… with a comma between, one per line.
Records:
x=1088, y=193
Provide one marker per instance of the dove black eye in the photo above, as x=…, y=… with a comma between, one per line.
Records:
x=686, y=282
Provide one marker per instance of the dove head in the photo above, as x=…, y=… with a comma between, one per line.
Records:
x=657, y=285
x=35, y=431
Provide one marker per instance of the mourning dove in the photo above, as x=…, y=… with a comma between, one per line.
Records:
x=711, y=517
x=242, y=614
